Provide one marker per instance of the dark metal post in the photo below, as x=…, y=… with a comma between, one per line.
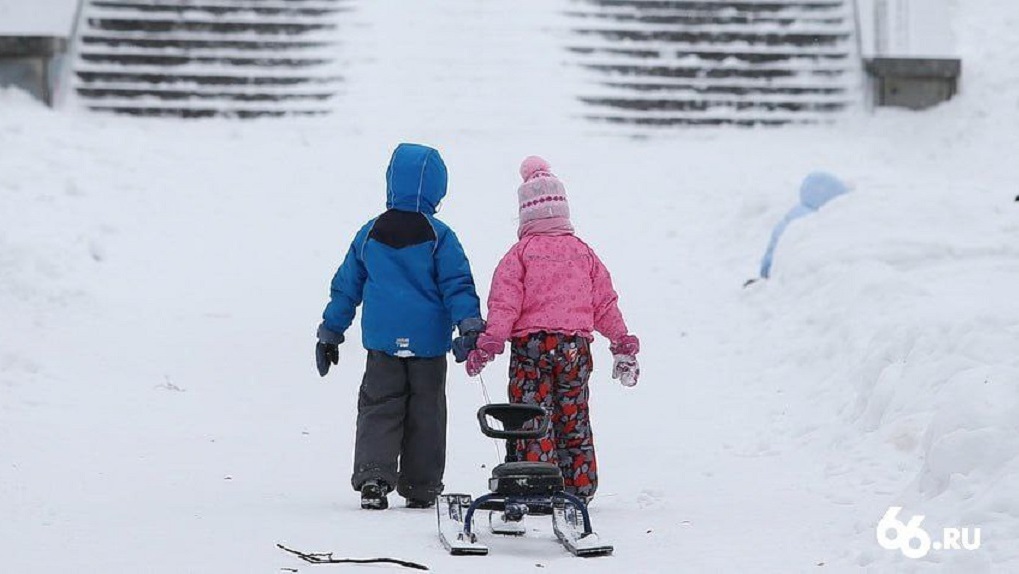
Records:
x=46, y=88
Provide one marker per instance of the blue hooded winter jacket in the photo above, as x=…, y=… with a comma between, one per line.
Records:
x=406, y=266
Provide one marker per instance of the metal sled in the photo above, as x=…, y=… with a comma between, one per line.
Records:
x=518, y=489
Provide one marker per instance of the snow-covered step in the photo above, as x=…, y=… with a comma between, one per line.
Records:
x=771, y=71
x=311, y=91
x=205, y=68
x=257, y=60
x=206, y=112
x=716, y=118
x=705, y=54
x=238, y=17
x=721, y=9
x=749, y=27
x=187, y=36
x=701, y=20
x=748, y=60
x=236, y=105
x=103, y=95
x=701, y=104
x=715, y=36
x=695, y=17
x=163, y=25
x=745, y=72
x=712, y=94
x=214, y=7
x=329, y=51
x=678, y=48
x=192, y=42
x=727, y=87
x=184, y=90
x=141, y=4
x=719, y=5
x=88, y=76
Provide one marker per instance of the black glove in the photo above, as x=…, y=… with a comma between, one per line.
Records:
x=468, y=339
x=327, y=350
x=463, y=345
x=325, y=354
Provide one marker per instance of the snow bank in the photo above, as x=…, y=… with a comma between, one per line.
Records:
x=907, y=298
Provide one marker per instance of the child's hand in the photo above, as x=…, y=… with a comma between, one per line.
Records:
x=626, y=370
x=324, y=355
x=327, y=350
x=463, y=345
x=476, y=361
x=470, y=329
x=487, y=348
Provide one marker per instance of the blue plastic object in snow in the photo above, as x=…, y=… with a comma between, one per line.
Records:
x=817, y=189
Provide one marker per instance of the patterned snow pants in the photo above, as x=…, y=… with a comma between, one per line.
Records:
x=552, y=370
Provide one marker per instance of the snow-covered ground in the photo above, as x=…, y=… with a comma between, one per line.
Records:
x=160, y=283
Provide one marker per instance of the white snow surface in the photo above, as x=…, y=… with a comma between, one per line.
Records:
x=161, y=281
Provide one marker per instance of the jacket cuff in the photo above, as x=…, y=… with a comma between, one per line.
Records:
x=471, y=325
x=626, y=345
x=329, y=337
x=490, y=344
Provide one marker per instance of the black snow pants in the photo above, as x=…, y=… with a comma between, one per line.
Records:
x=401, y=425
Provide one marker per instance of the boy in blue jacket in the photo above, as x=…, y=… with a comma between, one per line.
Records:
x=410, y=273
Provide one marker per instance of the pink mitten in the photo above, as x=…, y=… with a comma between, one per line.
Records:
x=626, y=345
x=626, y=369
x=489, y=344
x=484, y=351
x=476, y=361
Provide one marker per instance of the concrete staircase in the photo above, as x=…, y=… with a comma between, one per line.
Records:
x=715, y=62
x=203, y=58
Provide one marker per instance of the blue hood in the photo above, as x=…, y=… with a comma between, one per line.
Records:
x=416, y=179
x=819, y=188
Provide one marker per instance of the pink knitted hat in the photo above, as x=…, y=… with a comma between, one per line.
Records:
x=542, y=195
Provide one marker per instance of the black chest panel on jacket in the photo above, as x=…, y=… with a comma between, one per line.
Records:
x=399, y=229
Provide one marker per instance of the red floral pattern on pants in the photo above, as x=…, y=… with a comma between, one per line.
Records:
x=552, y=370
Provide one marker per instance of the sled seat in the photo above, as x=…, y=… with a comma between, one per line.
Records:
x=526, y=479
x=508, y=469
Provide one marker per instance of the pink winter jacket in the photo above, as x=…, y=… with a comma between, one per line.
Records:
x=553, y=283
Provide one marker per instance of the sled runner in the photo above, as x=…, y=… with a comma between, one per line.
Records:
x=518, y=489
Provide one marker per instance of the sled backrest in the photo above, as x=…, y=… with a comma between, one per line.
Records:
x=513, y=418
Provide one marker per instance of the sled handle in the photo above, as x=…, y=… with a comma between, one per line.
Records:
x=513, y=417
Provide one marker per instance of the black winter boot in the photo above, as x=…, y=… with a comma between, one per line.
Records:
x=373, y=495
x=420, y=503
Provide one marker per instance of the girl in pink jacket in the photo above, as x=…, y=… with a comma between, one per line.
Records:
x=549, y=294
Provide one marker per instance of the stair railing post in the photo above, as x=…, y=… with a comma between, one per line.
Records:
x=903, y=25
x=65, y=65
x=47, y=86
x=868, y=102
x=880, y=27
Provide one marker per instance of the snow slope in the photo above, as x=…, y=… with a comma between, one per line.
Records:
x=160, y=284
